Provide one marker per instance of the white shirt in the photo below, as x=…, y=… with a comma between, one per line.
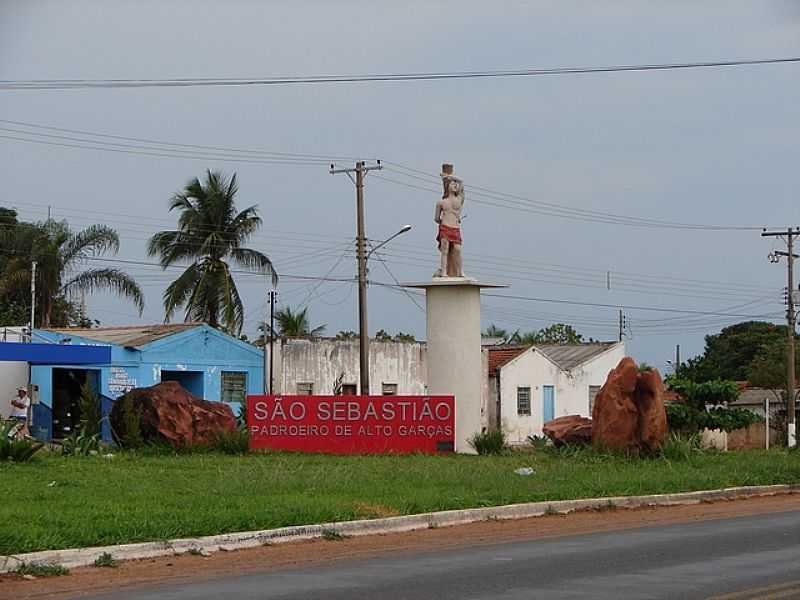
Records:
x=20, y=412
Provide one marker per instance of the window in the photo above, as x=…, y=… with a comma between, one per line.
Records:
x=349, y=389
x=234, y=387
x=305, y=389
x=389, y=389
x=593, y=391
x=524, y=401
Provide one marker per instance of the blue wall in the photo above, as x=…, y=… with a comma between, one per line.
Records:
x=202, y=349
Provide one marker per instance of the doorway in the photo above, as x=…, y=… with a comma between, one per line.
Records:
x=66, y=399
x=191, y=381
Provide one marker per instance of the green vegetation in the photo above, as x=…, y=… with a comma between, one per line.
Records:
x=736, y=350
x=61, y=270
x=489, y=441
x=41, y=570
x=106, y=560
x=297, y=323
x=704, y=406
x=136, y=497
x=332, y=535
x=210, y=236
x=80, y=444
x=12, y=450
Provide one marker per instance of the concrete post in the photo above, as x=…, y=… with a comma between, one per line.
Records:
x=454, y=349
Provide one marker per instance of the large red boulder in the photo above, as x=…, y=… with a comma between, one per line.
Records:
x=629, y=411
x=652, y=413
x=171, y=414
x=572, y=429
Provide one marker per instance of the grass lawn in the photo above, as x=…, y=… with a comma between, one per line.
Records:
x=54, y=502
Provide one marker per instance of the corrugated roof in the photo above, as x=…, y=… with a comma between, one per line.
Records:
x=135, y=336
x=569, y=356
x=756, y=396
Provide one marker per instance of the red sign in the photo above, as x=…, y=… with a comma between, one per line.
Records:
x=352, y=424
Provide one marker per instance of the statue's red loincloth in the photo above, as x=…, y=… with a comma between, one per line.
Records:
x=451, y=234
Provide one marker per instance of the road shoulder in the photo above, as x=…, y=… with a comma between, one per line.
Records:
x=191, y=567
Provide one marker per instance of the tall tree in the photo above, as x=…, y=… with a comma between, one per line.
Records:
x=210, y=235
x=61, y=255
x=729, y=354
x=296, y=323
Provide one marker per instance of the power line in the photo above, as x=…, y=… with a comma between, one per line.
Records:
x=71, y=84
x=627, y=306
x=523, y=204
x=225, y=149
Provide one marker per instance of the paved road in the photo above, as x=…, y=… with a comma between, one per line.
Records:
x=747, y=557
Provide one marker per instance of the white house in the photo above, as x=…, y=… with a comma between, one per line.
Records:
x=530, y=385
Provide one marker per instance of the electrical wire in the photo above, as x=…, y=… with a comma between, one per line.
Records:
x=71, y=84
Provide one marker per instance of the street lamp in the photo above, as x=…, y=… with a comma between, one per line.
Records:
x=404, y=229
x=363, y=331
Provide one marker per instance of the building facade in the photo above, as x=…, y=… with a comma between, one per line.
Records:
x=532, y=385
x=205, y=361
x=322, y=366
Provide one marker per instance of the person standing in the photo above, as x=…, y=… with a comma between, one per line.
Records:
x=19, y=411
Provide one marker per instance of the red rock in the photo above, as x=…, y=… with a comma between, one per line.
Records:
x=615, y=417
x=172, y=414
x=572, y=429
x=629, y=411
x=652, y=414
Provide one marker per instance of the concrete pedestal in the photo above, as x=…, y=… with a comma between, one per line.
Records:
x=454, y=349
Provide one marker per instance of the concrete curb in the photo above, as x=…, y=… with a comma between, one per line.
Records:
x=81, y=557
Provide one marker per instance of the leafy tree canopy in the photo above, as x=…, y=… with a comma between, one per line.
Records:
x=729, y=354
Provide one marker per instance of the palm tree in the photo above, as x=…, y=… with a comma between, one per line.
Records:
x=493, y=331
x=210, y=234
x=296, y=324
x=59, y=252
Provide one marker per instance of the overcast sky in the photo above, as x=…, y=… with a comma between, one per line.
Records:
x=705, y=146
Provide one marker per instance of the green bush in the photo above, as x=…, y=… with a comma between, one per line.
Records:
x=80, y=443
x=233, y=442
x=539, y=442
x=41, y=570
x=91, y=410
x=683, y=417
x=128, y=427
x=16, y=450
x=489, y=441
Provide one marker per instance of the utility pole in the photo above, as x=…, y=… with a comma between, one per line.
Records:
x=272, y=295
x=791, y=317
x=622, y=323
x=677, y=358
x=33, y=297
x=360, y=170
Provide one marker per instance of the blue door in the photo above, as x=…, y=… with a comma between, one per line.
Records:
x=549, y=402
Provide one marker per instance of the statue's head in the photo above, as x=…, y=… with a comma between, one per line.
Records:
x=452, y=185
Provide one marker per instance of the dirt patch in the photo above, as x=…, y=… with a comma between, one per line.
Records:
x=366, y=510
x=186, y=567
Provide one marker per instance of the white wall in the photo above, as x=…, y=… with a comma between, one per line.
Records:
x=321, y=361
x=532, y=369
x=12, y=376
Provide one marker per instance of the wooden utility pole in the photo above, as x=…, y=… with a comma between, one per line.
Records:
x=272, y=294
x=791, y=318
x=360, y=170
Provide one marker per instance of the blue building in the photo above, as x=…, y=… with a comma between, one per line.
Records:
x=205, y=361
